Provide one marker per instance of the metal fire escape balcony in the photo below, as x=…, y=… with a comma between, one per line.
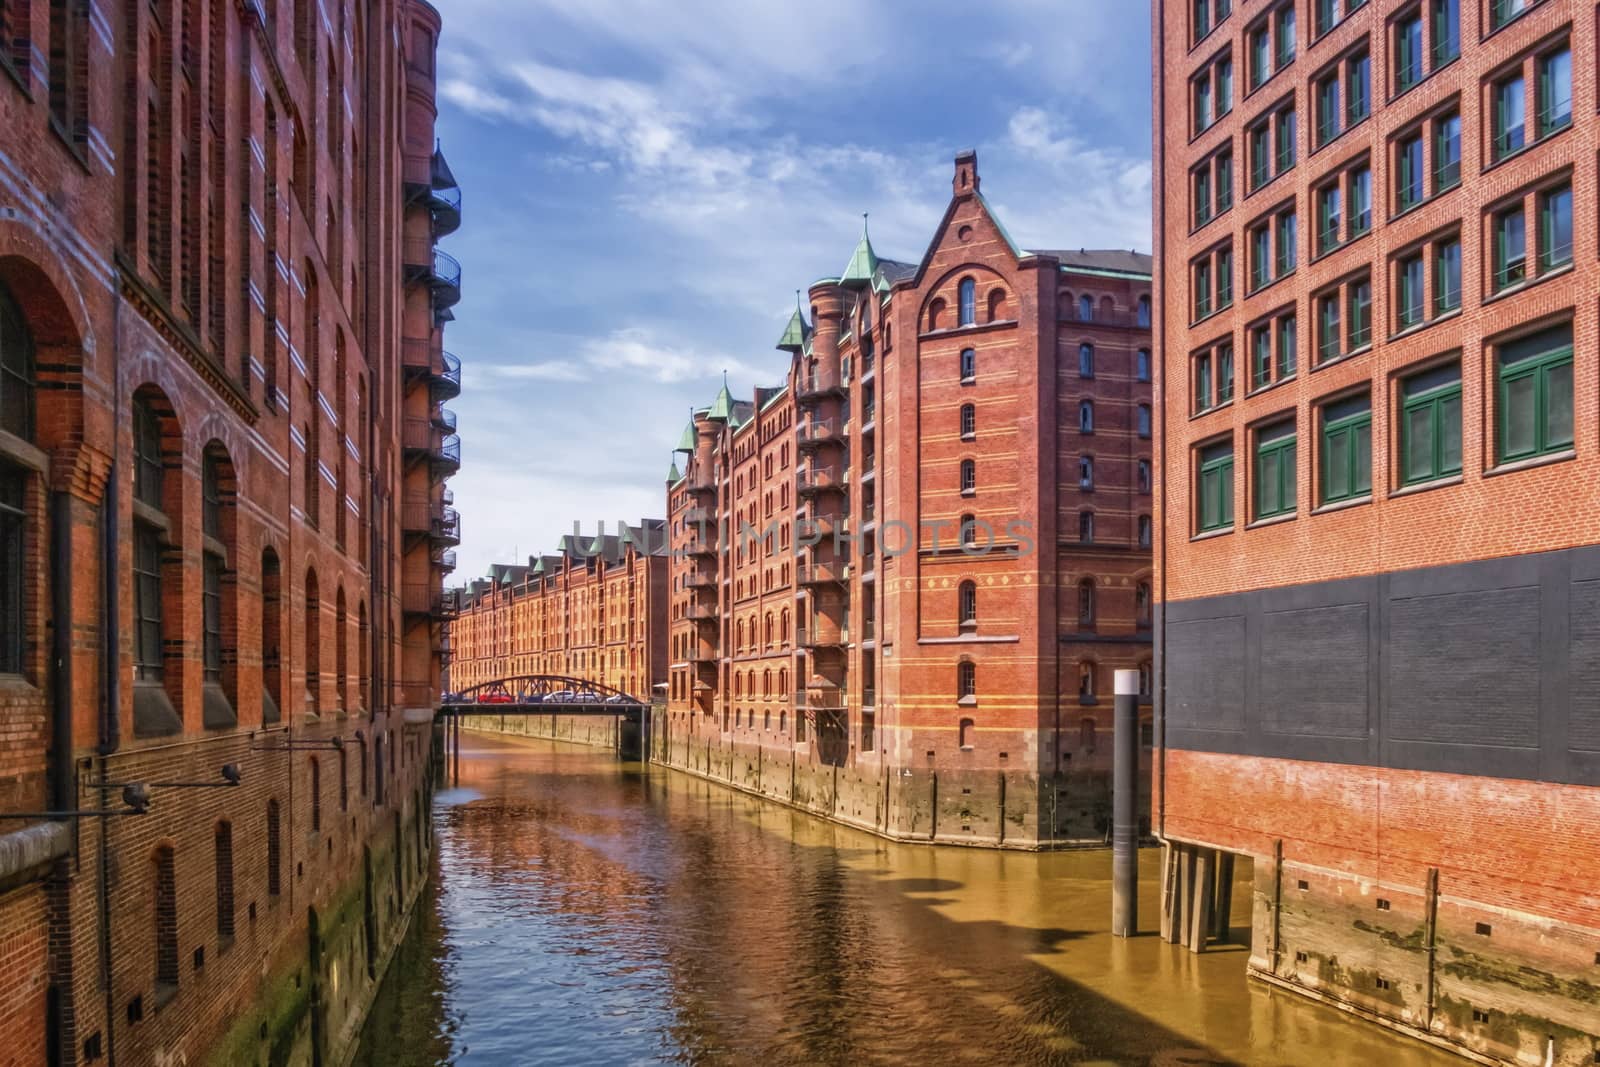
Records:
x=821, y=695
x=445, y=381
x=425, y=599
x=445, y=419
x=828, y=573
x=819, y=529
x=446, y=527
x=446, y=561
x=810, y=637
x=701, y=613
x=703, y=655
x=701, y=485
x=819, y=432
x=809, y=482
x=435, y=268
x=444, y=197
x=419, y=437
x=699, y=546
x=700, y=580
x=699, y=517
x=814, y=388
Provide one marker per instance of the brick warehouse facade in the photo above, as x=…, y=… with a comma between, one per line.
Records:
x=223, y=525
x=902, y=578
x=595, y=610
x=1376, y=249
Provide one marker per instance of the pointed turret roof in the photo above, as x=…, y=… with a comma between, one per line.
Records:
x=798, y=332
x=673, y=477
x=686, y=443
x=863, y=261
x=722, y=406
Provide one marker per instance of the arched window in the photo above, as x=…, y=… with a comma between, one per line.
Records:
x=968, y=290
x=1144, y=476
x=766, y=684
x=969, y=364
x=967, y=681
x=969, y=421
x=17, y=385
x=967, y=734
x=313, y=629
x=1086, y=309
x=1086, y=416
x=1144, y=420
x=783, y=721
x=316, y=794
x=1086, y=604
x=738, y=634
x=1086, y=473
x=997, y=304
x=1141, y=365
x=1146, y=679
x=783, y=683
x=1141, y=604
x=217, y=589
x=157, y=563
x=312, y=476
x=1086, y=359
x=783, y=625
x=1145, y=532
x=165, y=897
x=224, y=861
x=967, y=604
x=969, y=476
x=274, y=850
x=1144, y=313
x=341, y=651
x=1086, y=527
x=936, y=315
x=969, y=529
x=1086, y=681
x=767, y=631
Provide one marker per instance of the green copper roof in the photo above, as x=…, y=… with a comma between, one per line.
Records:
x=863, y=261
x=673, y=477
x=797, y=332
x=538, y=568
x=722, y=406
x=686, y=443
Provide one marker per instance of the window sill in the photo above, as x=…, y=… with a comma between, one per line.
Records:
x=23, y=453
x=1418, y=327
x=1336, y=138
x=1513, y=466
x=1515, y=154
x=1211, y=314
x=1343, y=505
x=1273, y=520
x=1528, y=283
x=967, y=701
x=1252, y=90
x=1333, y=250
x=1200, y=224
x=1425, y=78
x=1209, y=534
x=1269, y=283
x=1270, y=386
x=969, y=492
x=1268, y=184
x=1422, y=487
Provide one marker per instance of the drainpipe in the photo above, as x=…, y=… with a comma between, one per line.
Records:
x=1158, y=321
x=111, y=681
x=61, y=789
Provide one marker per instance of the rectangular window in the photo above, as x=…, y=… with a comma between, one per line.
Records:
x=1225, y=372
x=1510, y=120
x=1535, y=395
x=1330, y=336
x=1446, y=31
x=1503, y=11
x=1286, y=41
x=1408, y=173
x=1328, y=218
x=1202, y=196
x=1360, y=302
x=1510, y=248
x=1260, y=55
x=1260, y=356
x=1223, y=180
x=1555, y=91
x=1555, y=228
x=211, y=616
x=1274, y=473
x=1202, y=382
x=1347, y=450
x=1260, y=256
x=12, y=520
x=1224, y=272
x=1202, y=288
x=1325, y=16
x=1260, y=138
x=1430, y=425
x=1285, y=243
x=1285, y=146
x=1358, y=88
x=1407, y=51
x=1202, y=18
x=1446, y=152
x=1216, y=487
x=1408, y=303
x=1360, y=201
x=1328, y=112
x=1288, y=346
x=147, y=640
x=1446, y=276
x=1202, y=102
x=1224, y=89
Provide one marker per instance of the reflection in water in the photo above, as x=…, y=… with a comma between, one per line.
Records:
x=590, y=912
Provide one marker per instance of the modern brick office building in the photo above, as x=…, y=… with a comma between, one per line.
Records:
x=1376, y=279
x=222, y=523
x=595, y=610
x=902, y=577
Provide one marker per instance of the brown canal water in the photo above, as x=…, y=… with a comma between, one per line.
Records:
x=584, y=911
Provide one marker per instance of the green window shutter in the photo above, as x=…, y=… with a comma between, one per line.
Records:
x=1346, y=450
x=1216, y=487
x=1535, y=395
x=1275, y=469
x=1430, y=425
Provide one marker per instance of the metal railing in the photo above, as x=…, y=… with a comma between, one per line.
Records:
x=819, y=573
x=812, y=480
x=447, y=376
x=818, y=431
x=445, y=419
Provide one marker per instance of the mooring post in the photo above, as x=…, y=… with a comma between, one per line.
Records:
x=1124, y=807
x=457, y=720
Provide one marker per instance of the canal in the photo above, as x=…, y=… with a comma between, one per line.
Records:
x=585, y=911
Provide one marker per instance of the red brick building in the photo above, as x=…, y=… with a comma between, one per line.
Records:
x=1376, y=278
x=222, y=521
x=902, y=577
x=595, y=611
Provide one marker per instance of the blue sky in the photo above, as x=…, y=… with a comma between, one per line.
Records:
x=646, y=185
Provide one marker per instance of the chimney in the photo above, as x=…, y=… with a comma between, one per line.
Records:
x=966, y=179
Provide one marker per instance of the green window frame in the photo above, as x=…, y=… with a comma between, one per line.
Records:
x=1260, y=56
x=1510, y=119
x=1330, y=331
x=1202, y=195
x=1261, y=356
x=1286, y=41
x=1283, y=141
x=1358, y=202
x=1224, y=89
x=1430, y=425
x=1202, y=383
x=1224, y=182
x=1224, y=372
x=1328, y=217
x=1202, y=18
x=1510, y=248
x=1409, y=277
x=1446, y=152
x=1358, y=88
x=1555, y=228
x=1328, y=112
x=1503, y=11
x=1347, y=449
x=1446, y=276
x=1555, y=91
x=1202, y=288
x=1216, y=487
x=1408, y=187
x=1446, y=31
x=1260, y=256
x=1224, y=274
x=1285, y=241
x=1326, y=15
x=1534, y=402
x=1275, y=470
x=1360, y=314
x=1260, y=155
x=1407, y=52
x=1288, y=346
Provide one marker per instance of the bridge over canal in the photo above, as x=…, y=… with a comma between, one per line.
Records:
x=545, y=694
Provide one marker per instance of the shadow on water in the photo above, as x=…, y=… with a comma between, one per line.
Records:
x=591, y=913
